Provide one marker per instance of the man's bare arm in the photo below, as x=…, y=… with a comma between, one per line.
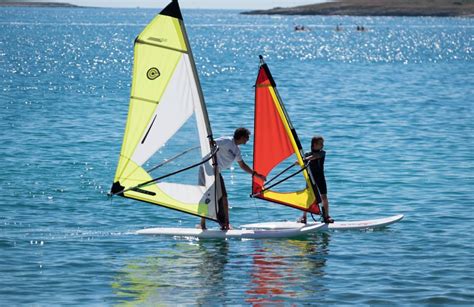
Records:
x=247, y=169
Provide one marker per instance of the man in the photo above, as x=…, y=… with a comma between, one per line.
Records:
x=228, y=152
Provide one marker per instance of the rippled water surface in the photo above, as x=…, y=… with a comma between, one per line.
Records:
x=395, y=105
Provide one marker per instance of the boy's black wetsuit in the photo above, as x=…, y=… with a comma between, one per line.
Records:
x=316, y=168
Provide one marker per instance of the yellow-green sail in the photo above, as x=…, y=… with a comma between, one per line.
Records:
x=165, y=94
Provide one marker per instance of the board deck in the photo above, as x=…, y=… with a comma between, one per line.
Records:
x=234, y=233
x=337, y=225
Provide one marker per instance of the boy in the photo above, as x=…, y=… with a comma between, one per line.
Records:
x=316, y=167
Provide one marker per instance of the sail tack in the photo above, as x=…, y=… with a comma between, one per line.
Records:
x=275, y=140
x=165, y=95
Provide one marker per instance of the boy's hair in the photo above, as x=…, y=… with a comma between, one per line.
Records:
x=240, y=132
x=316, y=139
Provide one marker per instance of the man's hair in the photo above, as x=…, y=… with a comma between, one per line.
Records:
x=316, y=139
x=240, y=132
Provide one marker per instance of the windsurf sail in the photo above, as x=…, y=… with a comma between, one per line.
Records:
x=275, y=140
x=165, y=95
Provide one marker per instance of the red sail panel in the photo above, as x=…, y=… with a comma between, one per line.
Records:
x=274, y=142
x=271, y=142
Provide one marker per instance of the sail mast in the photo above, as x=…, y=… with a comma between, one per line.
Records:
x=210, y=137
x=195, y=73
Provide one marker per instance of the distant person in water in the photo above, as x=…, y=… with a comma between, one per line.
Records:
x=301, y=28
x=316, y=166
x=229, y=152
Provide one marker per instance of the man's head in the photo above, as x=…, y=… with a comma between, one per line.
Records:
x=241, y=135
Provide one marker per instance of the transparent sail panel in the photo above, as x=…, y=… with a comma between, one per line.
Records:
x=179, y=152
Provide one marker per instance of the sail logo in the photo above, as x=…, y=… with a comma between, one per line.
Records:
x=159, y=40
x=153, y=73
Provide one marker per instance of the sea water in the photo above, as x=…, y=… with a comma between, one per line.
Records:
x=394, y=103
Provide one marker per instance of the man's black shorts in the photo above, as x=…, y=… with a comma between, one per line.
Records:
x=224, y=192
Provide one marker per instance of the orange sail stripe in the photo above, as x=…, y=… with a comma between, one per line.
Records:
x=271, y=142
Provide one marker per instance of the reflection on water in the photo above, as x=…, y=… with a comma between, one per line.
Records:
x=219, y=272
x=280, y=269
x=188, y=272
x=213, y=259
x=268, y=278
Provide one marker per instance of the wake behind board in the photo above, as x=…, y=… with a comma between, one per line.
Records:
x=234, y=233
x=337, y=225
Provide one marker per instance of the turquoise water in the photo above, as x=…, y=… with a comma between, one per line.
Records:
x=394, y=104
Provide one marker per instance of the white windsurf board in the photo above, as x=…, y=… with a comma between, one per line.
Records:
x=337, y=225
x=234, y=233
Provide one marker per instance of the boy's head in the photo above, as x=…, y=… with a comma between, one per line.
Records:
x=241, y=135
x=317, y=143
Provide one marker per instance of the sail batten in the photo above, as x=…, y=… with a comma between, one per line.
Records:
x=166, y=98
x=138, y=41
x=275, y=140
x=144, y=99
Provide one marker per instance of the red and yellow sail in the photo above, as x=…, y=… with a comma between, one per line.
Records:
x=275, y=140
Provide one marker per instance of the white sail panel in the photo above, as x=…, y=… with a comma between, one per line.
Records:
x=175, y=107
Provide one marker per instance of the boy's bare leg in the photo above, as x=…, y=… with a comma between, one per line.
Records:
x=327, y=218
x=324, y=198
x=303, y=218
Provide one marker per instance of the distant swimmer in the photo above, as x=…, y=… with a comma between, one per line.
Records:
x=301, y=28
x=338, y=28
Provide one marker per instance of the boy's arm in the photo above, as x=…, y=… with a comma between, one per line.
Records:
x=314, y=156
x=306, y=157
